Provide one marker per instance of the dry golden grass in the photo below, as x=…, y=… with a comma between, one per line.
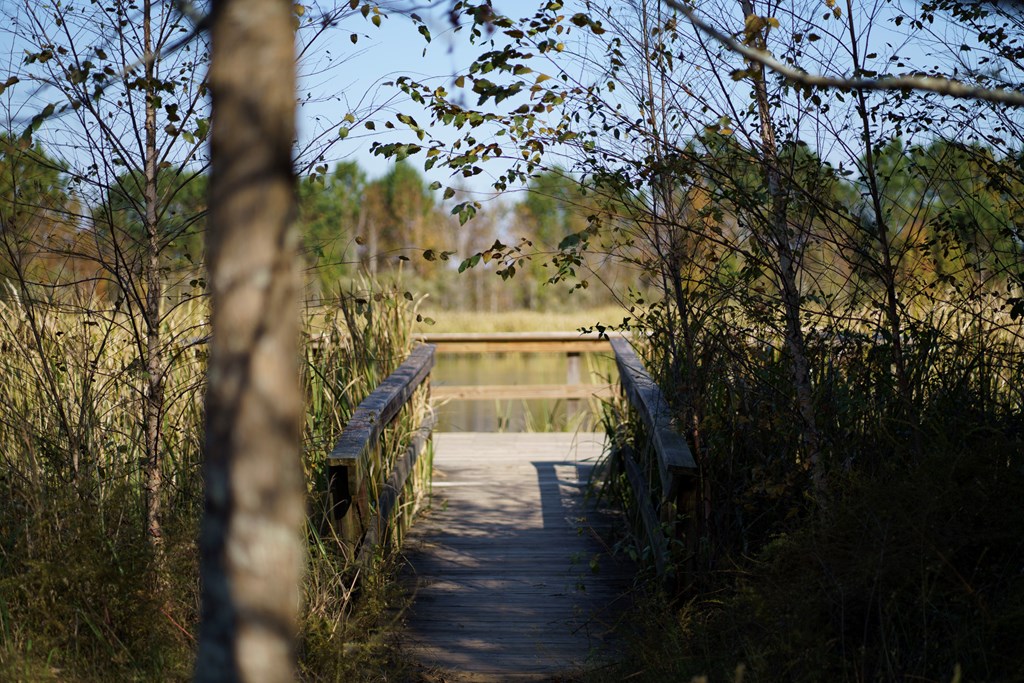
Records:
x=77, y=601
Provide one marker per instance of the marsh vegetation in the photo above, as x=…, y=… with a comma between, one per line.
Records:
x=825, y=278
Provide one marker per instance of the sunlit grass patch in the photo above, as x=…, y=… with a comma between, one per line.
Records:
x=80, y=599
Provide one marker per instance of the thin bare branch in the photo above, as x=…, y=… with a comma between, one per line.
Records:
x=942, y=86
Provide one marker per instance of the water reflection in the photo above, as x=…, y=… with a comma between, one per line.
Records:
x=519, y=368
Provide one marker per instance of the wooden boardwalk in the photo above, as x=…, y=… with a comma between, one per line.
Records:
x=511, y=574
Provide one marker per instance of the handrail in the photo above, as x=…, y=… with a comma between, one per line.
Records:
x=674, y=511
x=351, y=460
x=666, y=512
x=675, y=461
x=517, y=342
x=572, y=344
x=517, y=392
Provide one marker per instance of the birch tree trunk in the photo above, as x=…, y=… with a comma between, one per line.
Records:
x=251, y=545
x=788, y=264
x=152, y=314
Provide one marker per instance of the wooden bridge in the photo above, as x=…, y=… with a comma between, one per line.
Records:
x=509, y=566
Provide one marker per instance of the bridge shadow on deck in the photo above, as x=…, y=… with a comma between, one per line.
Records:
x=511, y=571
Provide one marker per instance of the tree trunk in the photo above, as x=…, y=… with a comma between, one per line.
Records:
x=154, y=402
x=788, y=262
x=251, y=546
x=888, y=269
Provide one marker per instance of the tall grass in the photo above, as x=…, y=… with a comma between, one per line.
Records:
x=912, y=570
x=77, y=588
x=350, y=609
x=79, y=595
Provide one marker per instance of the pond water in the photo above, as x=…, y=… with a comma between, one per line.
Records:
x=489, y=415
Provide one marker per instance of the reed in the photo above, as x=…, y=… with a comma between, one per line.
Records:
x=80, y=598
x=909, y=571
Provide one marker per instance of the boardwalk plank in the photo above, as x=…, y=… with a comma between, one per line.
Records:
x=500, y=567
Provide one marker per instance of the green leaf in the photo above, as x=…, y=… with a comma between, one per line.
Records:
x=569, y=241
x=10, y=81
x=38, y=120
x=1016, y=307
x=471, y=262
x=343, y=132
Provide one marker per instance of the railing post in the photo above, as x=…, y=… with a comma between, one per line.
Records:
x=686, y=527
x=349, y=501
x=573, y=376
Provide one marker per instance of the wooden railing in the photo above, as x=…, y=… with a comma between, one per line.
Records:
x=662, y=472
x=356, y=464
x=572, y=344
x=511, y=342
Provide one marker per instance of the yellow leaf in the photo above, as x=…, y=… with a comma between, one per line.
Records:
x=299, y=9
x=753, y=24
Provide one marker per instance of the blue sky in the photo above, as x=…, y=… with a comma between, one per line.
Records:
x=355, y=83
x=339, y=77
x=396, y=48
x=342, y=77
